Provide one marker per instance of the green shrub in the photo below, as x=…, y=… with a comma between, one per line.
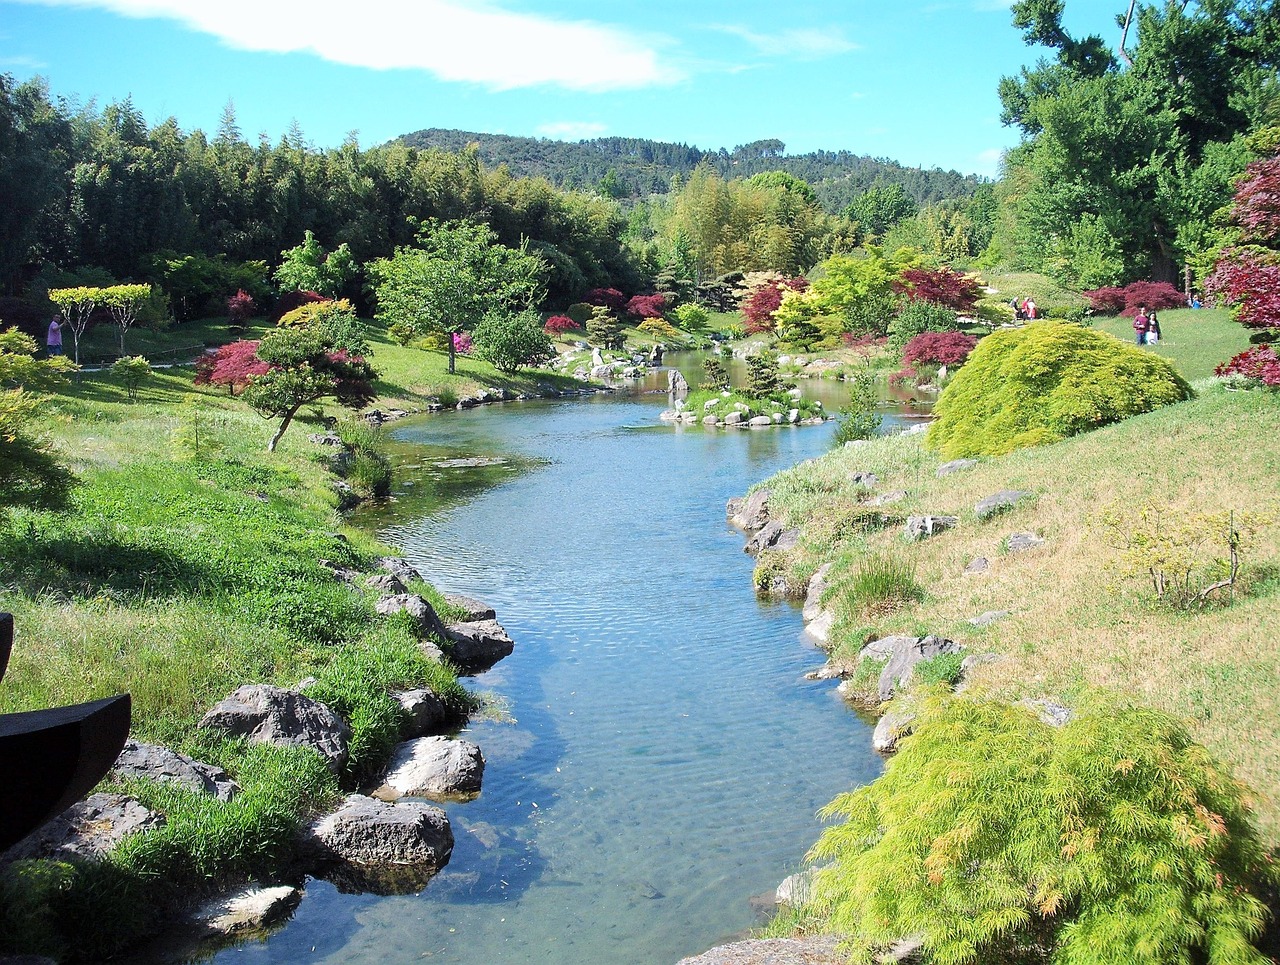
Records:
x=917, y=317
x=580, y=312
x=511, y=341
x=994, y=837
x=942, y=669
x=884, y=582
x=1044, y=382
x=762, y=375
x=714, y=376
x=692, y=318
x=859, y=418
x=604, y=329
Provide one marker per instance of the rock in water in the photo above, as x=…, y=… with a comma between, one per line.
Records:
x=477, y=646
x=433, y=767
x=677, y=386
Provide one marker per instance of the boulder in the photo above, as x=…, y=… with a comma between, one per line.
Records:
x=423, y=712
x=774, y=536
x=883, y=648
x=793, y=416
x=677, y=386
x=271, y=715
x=423, y=614
x=813, y=597
x=249, y=911
x=1021, y=542
x=998, y=502
x=752, y=512
x=472, y=609
x=884, y=499
x=380, y=847
x=1052, y=713
x=399, y=567
x=907, y=652
x=760, y=421
x=988, y=618
x=955, y=465
x=87, y=830
x=979, y=564
x=433, y=767
x=868, y=479
x=922, y=527
x=387, y=584
x=477, y=645
x=890, y=729
x=796, y=889
x=733, y=418
x=813, y=950
x=159, y=763
x=710, y=420
x=977, y=660
x=776, y=418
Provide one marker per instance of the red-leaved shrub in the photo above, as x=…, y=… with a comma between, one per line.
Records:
x=647, y=306
x=1106, y=301
x=941, y=286
x=232, y=365
x=939, y=348
x=610, y=298
x=1244, y=278
x=1259, y=363
x=559, y=324
x=1155, y=295
x=1256, y=207
x=240, y=307
x=759, y=308
x=288, y=301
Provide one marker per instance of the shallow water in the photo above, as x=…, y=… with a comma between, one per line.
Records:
x=664, y=757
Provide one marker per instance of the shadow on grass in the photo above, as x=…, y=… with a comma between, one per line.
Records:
x=91, y=564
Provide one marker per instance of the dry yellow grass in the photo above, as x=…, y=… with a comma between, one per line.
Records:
x=1075, y=623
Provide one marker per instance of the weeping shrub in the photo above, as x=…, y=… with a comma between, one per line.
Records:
x=1049, y=380
x=994, y=837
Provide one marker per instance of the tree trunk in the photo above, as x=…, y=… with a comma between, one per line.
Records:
x=453, y=352
x=288, y=417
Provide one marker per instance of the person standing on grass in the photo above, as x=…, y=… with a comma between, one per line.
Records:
x=53, y=340
x=1153, y=328
x=1140, y=324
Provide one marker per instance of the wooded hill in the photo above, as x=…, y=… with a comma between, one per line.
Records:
x=633, y=167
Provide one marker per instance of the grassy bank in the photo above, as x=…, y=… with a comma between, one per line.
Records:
x=190, y=562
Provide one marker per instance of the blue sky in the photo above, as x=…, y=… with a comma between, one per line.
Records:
x=910, y=80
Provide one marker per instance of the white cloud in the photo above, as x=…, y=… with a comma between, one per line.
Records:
x=572, y=130
x=23, y=62
x=452, y=39
x=805, y=42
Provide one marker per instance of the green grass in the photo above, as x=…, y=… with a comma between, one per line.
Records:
x=1194, y=340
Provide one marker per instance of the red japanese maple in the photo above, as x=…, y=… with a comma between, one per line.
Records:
x=1257, y=202
x=559, y=324
x=232, y=365
x=942, y=286
x=1259, y=363
x=1250, y=280
x=647, y=306
x=610, y=298
x=939, y=348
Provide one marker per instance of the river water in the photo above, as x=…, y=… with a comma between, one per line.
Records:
x=659, y=758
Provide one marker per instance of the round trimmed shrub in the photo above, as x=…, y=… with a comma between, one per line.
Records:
x=1028, y=386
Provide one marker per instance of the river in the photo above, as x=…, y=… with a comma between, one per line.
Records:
x=657, y=757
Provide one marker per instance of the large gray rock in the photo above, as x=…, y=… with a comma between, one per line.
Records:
x=158, y=763
x=774, y=536
x=677, y=387
x=368, y=832
x=472, y=609
x=922, y=527
x=893, y=496
x=424, y=615
x=1052, y=713
x=751, y=513
x=956, y=465
x=814, y=950
x=999, y=502
x=424, y=712
x=890, y=729
x=87, y=830
x=270, y=715
x=1021, y=542
x=759, y=421
x=733, y=418
x=908, y=652
x=477, y=646
x=400, y=567
x=796, y=889
x=868, y=479
x=433, y=767
x=819, y=628
x=813, y=597
x=387, y=584
x=979, y=564
x=988, y=618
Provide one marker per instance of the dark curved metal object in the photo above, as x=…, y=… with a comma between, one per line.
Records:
x=49, y=759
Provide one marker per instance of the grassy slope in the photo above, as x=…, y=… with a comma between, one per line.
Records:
x=1074, y=623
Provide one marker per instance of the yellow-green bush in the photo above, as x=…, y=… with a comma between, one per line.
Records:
x=1028, y=386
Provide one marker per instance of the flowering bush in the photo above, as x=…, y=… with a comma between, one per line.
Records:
x=559, y=324
x=608, y=297
x=660, y=328
x=647, y=306
x=1250, y=281
x=1157, y=295
x=939, y=348
x=942, y=286
x=1258, y=364
x=232, y=365
x=462, y=343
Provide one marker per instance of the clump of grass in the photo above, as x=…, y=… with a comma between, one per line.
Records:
x=942, y=669
x=367, y=467
x=884, y=582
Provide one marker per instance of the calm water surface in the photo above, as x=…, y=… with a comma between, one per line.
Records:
x=663, y=757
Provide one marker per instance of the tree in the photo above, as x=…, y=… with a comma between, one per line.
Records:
x=880, y=207
x=714, y=376
x=76, y=305
x=452, y=278
x=124, y=302
x=604, y=329
x=240, y=308
x=307, y=363
x=942, y=286
x=1247, y=275
x=132, y=371
x=510, y=341
x=231, y=365
x=309, y=268
x=763, y=379
x=30, y=473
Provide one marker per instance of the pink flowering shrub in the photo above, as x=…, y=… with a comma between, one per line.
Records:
x=1258, y=364
x=462, y=343
x=559, y=324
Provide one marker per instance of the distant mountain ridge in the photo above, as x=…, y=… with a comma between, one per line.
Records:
x=634, y=167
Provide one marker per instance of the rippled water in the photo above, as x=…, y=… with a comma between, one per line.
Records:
x=665, y=756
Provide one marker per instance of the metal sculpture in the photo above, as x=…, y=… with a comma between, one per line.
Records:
x=49, y=759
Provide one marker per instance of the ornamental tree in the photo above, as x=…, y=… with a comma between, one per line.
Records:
x=604, y=329
x=1259, y=364
x=1249, y=280
x=647, y=306
x=939, y=348
x=30, y=474
x=942, y=286
x=240, y=308
x=305, y=364
x=124, y=303
x=510, y=341
x=559, y=324
x=231, y=365
x=1256, y=207
x=608, y=297
x=76, y=305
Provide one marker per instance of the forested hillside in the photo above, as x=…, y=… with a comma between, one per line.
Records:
x=635, y=167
